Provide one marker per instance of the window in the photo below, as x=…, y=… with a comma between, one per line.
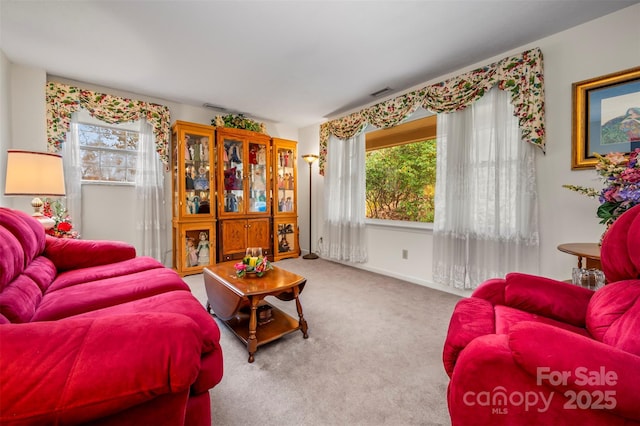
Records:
x=108, y=154
x=401, y=171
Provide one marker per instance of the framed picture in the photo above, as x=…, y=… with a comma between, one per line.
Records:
x=606, y=116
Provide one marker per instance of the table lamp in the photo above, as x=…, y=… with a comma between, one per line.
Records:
x=310, y=158
x=37, y=174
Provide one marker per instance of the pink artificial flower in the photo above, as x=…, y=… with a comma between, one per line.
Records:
x=612, y=195
x=630, y=175
x=616, y=158
x=240, y=266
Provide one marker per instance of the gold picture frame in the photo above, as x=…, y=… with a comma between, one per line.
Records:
x=606, y=117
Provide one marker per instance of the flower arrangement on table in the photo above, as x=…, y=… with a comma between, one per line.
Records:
x=253, y=265
x=63, y=228
x=621, y=179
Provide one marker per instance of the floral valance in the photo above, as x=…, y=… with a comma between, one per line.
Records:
x=521, y=75
x=64, y=100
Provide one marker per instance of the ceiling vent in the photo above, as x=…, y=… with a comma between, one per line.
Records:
x=380, y=92
x=216, y=107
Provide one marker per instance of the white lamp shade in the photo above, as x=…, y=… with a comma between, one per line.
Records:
x=34, y=173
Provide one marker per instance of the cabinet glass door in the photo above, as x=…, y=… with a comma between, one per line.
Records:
x=198, y=246
x=286, y=193
x=257, y=178
x=233, y=162
x=286, y=239
x=197, y=179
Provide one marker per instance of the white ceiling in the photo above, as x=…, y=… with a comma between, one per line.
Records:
x=293, y=62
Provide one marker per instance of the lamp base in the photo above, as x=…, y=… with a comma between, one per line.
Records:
x=47, y=222
x=310, y=256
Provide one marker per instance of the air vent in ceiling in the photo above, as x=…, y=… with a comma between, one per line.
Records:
x=380, y=92
x=216, y=107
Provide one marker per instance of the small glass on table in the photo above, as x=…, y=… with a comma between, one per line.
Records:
x=592, y=279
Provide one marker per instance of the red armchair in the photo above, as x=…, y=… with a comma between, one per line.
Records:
x=532, y=350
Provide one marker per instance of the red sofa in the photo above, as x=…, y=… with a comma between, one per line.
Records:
x=527, y=350
x=92, y=334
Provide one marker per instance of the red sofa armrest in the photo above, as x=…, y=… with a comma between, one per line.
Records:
x=78, y=370
x=68, y=253
x=471, y=318
x=570, y=363
x=547, y=297
x=491, y=290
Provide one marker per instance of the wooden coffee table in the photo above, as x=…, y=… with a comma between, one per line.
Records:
x=236, y=301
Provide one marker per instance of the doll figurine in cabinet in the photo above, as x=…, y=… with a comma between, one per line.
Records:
x=203, y=249
x=201, y=182
x=192, y=254
x=187, y=150
x=204, y=143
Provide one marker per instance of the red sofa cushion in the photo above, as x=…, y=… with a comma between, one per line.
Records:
x=507, y=317
x=176, y=302
x=101, y=272
x=27, y=232
x=620, y=253
x=75, y=370
x=19, y=300
x=613, y=316
x=67, y=253
x=179, y=302
x=42, y=271
x=12, y=259
x=100, y=294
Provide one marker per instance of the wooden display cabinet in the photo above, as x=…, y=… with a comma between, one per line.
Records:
x=244, y=192
x=285, y=202
x=193, y=192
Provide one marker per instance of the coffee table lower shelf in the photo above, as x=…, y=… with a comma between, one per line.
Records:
x=280, y=325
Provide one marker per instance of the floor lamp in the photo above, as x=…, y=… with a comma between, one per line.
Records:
x=310, y=158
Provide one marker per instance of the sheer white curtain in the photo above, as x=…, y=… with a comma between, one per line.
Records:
x=486, y=221
x=73, y=175
x=344, y=227
x=149, y=208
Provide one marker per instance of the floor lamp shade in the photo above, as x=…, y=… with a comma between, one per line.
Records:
x=35, y=174
x=310, y=158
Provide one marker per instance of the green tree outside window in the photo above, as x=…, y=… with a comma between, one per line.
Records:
x=401, y=182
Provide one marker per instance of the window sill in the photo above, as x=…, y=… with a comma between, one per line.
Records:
x=399, y=224
x=106, y=183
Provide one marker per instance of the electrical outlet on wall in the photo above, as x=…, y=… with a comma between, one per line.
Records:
x=405, y=254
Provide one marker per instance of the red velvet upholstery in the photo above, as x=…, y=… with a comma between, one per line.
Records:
x=92, y=334
x=531, y=350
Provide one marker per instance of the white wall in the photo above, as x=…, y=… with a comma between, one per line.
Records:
x=5, y=119
x=602, y=46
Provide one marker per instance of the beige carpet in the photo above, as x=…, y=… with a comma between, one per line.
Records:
x=373, y=356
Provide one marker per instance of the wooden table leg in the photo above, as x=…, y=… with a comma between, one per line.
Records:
x=252, y=342
x=302, y=321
